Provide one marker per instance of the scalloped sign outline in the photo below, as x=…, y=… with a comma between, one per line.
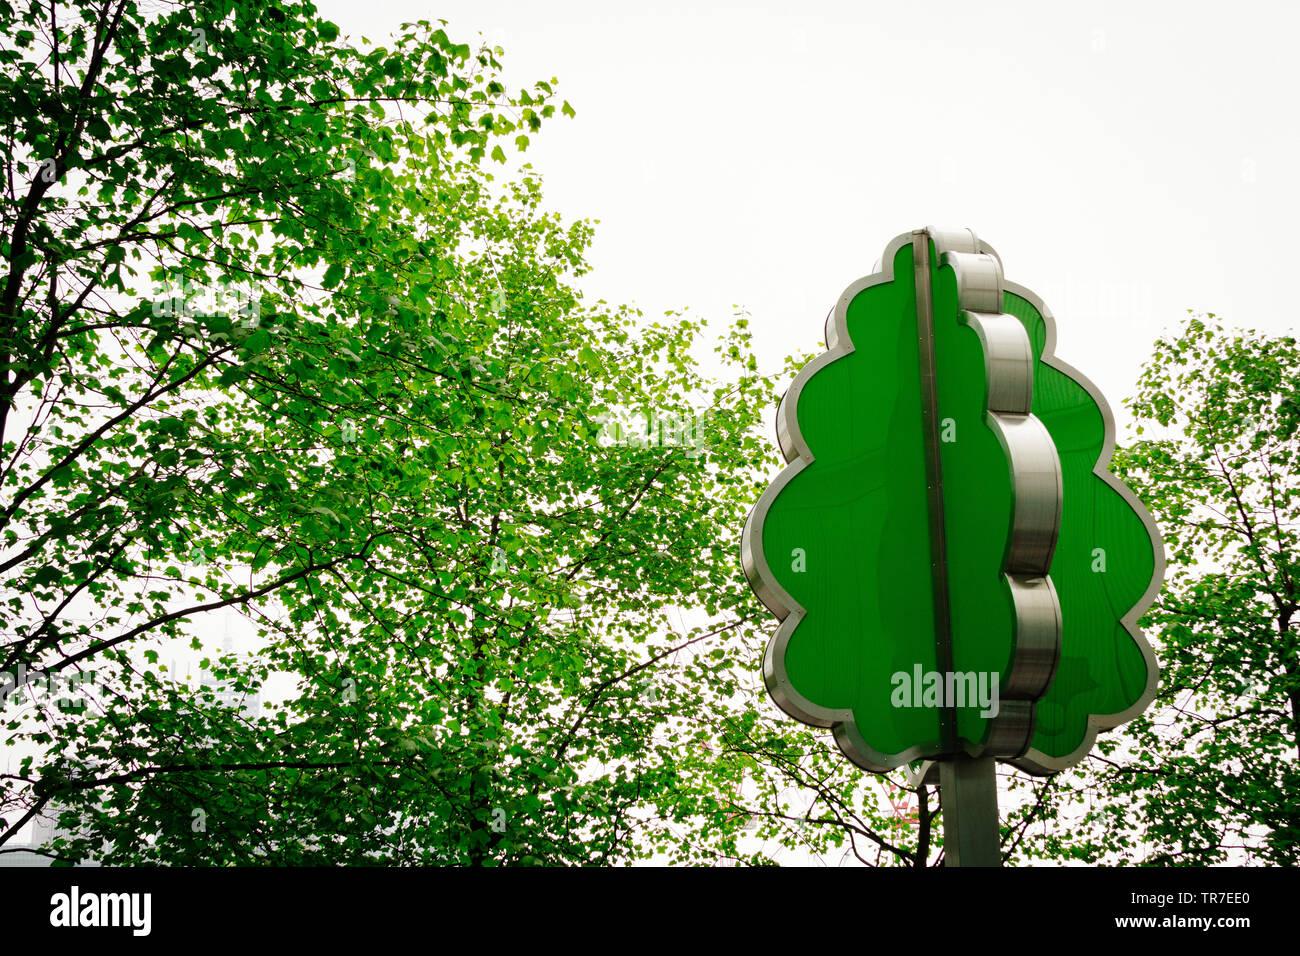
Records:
x=1107, y=567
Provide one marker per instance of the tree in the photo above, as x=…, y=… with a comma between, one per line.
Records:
x=364, y=408
x=276, y=343
x=1209, y=774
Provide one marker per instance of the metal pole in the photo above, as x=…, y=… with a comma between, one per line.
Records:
x=969, y=791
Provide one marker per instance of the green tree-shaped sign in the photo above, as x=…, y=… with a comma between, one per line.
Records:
x=956, y=572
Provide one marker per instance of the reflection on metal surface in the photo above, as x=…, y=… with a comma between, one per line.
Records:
x=1038, y=637
x=1036, y=483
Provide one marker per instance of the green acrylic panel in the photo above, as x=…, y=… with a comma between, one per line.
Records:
x=843, y=541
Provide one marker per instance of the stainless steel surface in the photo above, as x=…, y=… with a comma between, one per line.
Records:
x=1038, y=637
x=934, y=478
x=927, y=773
x=1036, y=490
x=969, y=791
x=979, y=280
x=1011, y=730
x=949, y=239
x=1008, y=361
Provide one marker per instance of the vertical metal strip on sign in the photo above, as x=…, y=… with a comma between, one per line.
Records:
x=934, y=478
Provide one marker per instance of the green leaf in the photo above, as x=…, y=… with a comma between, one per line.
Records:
x=333, y=276
x=259, y=341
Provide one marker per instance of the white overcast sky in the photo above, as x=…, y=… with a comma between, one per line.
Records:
x=1129, y=161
